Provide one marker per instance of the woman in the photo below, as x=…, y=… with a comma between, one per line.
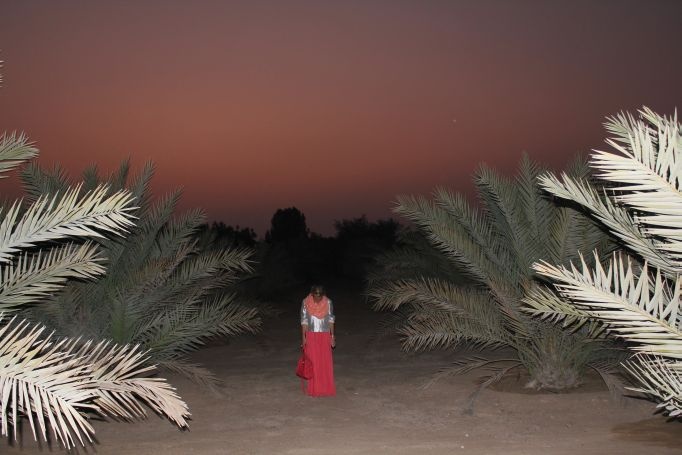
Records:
x=317, y=332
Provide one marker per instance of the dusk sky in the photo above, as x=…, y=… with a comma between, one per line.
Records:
x=334, y=107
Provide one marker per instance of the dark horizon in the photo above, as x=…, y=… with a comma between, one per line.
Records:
x=332, y=108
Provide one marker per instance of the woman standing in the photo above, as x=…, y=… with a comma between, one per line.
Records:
x=317, y=332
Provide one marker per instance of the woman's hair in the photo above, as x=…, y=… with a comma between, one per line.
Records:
x=317, y=288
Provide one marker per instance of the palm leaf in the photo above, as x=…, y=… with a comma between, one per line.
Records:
x=38, y=275
x=53, y=218
x=660, y=379
x=14, y=150
x=120, y=375
x=44, y=383
x=634, y=307
x=618, y=221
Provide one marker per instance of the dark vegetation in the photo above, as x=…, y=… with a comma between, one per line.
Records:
x=291, y=257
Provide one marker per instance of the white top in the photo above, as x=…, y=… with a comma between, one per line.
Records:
x=316, y=324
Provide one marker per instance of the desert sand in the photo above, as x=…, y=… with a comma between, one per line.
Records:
x=380, y=407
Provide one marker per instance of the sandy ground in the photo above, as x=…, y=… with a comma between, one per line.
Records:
x=380, y=407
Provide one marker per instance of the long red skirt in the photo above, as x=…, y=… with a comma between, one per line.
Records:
x=319, y=349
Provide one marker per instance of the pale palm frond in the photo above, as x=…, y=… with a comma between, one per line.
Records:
x=642, y=207
x=660, y=379
x=35, y=276
x=618, y=221
x=14, y=150
x=121, y=376
x=47, y=385
x=635, y=307
x=646, y=172
x=55, y=218
x=547, y=305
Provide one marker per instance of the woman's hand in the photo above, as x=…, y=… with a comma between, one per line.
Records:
x=333, y=341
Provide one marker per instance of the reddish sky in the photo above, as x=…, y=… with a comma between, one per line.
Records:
x=333, y=107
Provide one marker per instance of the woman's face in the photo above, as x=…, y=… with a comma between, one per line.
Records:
x=317, y=295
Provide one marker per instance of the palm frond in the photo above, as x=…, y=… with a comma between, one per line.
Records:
x=117, y=180
x=120, y=374
x=503, y=206
x=40, y=381
x=14, y=150
x=178, y=231
x=35, y=276
x=637, y=308
x=184, y=328
x=547, y=305
x=38, y=182
x=450, y=238
x=194, y=372
x=618, y=221
x=91, y=178
x=53, y=218
x=479, y=229
x=427, y=328
x=659, y=379
x=646, y=172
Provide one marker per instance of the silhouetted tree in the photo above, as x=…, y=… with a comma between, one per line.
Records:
x=287, y=224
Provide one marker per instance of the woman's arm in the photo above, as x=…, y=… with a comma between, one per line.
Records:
x=331, y=331
x=304, y=329
x=332, y=321
x=304, y=323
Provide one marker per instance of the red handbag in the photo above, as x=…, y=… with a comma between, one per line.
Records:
x=304, y=368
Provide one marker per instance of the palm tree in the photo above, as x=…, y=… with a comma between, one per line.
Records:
x=163, y=290
x=494, y=247
x=636, y=295
x=56, y=383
